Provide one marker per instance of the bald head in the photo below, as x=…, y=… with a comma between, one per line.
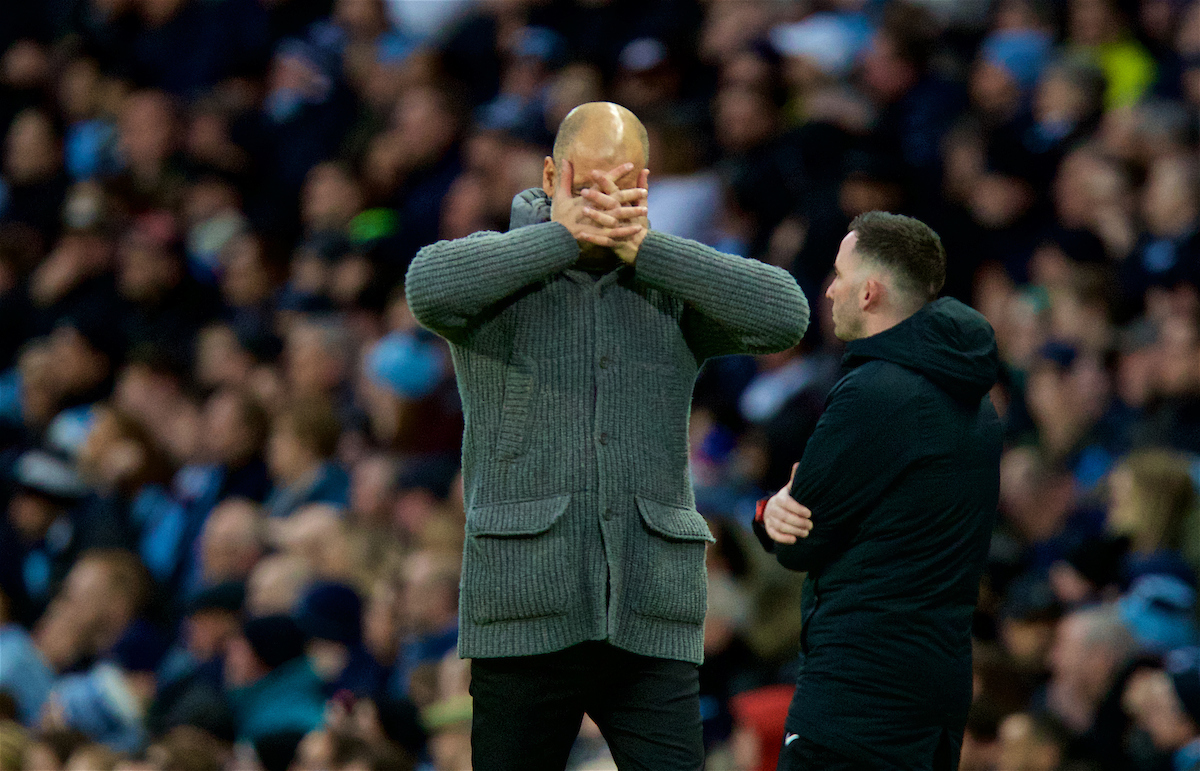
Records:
x=602, y=131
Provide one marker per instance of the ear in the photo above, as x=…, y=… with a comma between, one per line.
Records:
x=874, y=294
x=549, y=176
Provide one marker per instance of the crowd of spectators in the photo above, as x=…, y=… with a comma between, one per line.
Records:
x=233, y=517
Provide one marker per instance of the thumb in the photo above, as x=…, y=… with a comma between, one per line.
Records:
x=792, y=478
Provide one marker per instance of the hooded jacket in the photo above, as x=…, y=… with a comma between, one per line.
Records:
x=576, y=388
x=902, y=477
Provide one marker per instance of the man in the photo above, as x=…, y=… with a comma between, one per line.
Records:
x=576, y=342
x=893, y=501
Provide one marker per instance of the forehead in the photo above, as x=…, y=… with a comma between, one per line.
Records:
x=847, y=257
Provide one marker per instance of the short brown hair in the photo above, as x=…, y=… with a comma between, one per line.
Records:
x=907, y=247
x=315, y=424
x=126, y=574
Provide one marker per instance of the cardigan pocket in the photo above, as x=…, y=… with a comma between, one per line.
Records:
x=515, y=408
x=517, y=561
x=670, y=578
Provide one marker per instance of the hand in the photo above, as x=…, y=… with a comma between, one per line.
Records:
x=612, y=207
x=784, y=518
x=568, y=210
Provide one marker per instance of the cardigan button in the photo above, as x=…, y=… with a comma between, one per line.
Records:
x=603, y=362
x=608, y=513
x=604, y=438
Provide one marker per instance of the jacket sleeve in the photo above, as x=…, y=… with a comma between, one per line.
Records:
x=734, y=304
x=451, y=284
x=863, y=442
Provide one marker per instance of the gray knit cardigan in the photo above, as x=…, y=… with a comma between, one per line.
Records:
x=576, y=390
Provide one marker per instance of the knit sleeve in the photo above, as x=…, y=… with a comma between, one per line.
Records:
x=734, y=304
x=451, y=284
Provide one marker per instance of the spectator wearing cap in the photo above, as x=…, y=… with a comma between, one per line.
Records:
x=1009, y=65
x=1165, y=703
x=191, y=677
x=270, y=684
x=330, y=615
x=23, y=673
x=300, y=457
x=38, y=537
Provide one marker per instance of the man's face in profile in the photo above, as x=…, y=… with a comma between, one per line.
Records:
x=845, y=290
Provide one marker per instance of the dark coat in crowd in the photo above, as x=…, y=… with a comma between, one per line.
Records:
x=902, y=477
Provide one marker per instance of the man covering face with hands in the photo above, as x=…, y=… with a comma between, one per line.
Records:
x=576, y=338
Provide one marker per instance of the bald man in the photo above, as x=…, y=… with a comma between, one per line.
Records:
x=577, y=337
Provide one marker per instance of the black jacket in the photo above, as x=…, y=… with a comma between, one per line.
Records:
x=902, y=477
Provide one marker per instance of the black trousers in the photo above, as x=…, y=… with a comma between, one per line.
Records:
x=803, y=755
x=528, y=709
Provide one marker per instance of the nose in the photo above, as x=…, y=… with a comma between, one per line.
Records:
x=829, y=291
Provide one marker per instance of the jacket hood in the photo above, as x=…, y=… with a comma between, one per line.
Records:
x=529, y=207
x=948, y=342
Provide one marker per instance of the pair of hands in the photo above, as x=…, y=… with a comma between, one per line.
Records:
x=785, y=518
x=604, y=215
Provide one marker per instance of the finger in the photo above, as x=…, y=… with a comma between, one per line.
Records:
x=609, y=237
x=779, y=537
x=634, y=195
x=793, y=525
x=608, y=182
x=625, y=231
x=644, y=179
x=786, y=504
x=566, y=179
x=614, y=217
x=599, y=217
x=597, y=239
x=628, y=212
x=603, y=200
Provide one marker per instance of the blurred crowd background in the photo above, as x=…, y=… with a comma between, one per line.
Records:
x=233, y=517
